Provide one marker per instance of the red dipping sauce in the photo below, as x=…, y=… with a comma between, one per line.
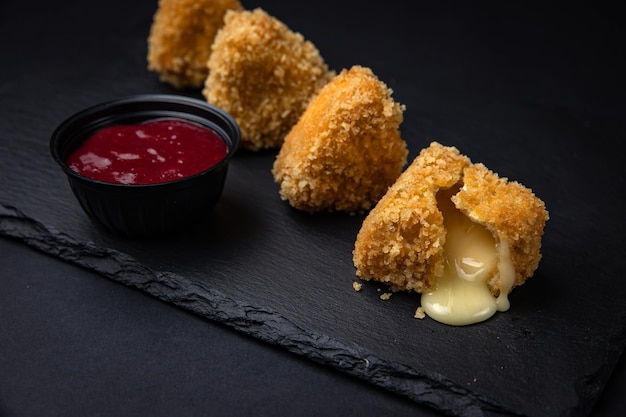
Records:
x=153, y=152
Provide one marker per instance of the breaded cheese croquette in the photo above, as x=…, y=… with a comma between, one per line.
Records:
x=181, y=36
x=264, y=75
x=455, y=232
x=346, y=149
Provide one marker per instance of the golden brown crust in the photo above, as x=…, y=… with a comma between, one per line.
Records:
x=346, y=149
x=401, y=241
x=181, y=36
x=264, y=75
x=510, y=212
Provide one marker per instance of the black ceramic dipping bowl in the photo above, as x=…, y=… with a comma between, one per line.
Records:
x=152, y=210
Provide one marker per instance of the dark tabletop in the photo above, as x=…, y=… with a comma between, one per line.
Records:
x=73, y=342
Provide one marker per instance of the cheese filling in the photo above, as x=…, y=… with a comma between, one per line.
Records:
x=472, y=258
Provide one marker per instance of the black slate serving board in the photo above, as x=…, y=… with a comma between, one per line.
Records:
x=534, y=94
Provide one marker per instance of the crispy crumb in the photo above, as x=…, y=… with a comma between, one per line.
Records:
x=385, y=296
x=264, y=75
x=401, y=241
x=180, y=39
x=419, y=313
x=357, y=286
x=346, y=149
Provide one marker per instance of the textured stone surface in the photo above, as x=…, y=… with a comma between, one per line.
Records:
x=535, y=101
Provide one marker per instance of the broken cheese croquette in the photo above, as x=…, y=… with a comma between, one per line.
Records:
x=346, y=149
x=455, y=232
x=264, y=75
x=181, y=36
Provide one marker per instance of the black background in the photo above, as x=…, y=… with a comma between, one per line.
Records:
x=533, y=92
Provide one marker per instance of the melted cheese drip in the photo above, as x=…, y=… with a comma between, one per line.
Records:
x=472, y=257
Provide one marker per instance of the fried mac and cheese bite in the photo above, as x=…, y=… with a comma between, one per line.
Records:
x=346, y=149
x=181, y=36
x=264, y=75
x=454, y=231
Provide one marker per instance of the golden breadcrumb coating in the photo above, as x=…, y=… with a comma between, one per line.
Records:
x=510, y=212
x=346, y=149
x=401, y=241
x=181, y=36
x=264, y=75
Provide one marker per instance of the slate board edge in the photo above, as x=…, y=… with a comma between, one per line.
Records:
x=425, y=388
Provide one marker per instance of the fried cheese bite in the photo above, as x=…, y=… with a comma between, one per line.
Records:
x=181, y=36
x=264, y=75
x=454, y=231
x=346, y=149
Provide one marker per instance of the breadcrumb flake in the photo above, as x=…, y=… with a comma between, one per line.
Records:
x=264, y=75
x=346, y=149
x=401, y=241
x=180, y=39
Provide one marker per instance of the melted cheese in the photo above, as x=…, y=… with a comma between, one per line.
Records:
x=472, y=258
